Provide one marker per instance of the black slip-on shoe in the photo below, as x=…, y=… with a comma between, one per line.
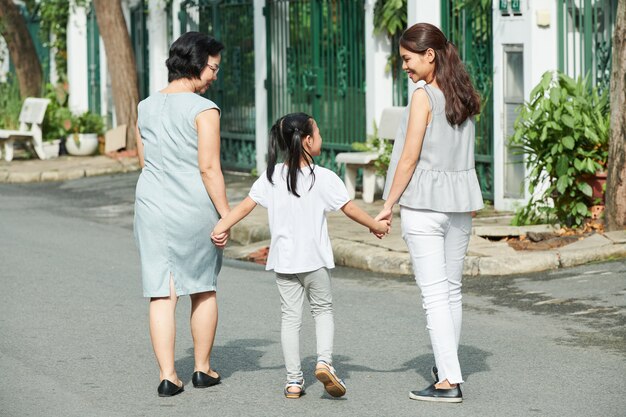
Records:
x=202, y=380
x=168, y=388
x=434, y=372
x=452, y=395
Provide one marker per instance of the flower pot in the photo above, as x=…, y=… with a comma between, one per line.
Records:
x=82, y=144
x=51, y=148
x=597, y=211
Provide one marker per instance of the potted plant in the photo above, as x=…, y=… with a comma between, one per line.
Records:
x=563, y=130
x=83, y=131
x=53, y=126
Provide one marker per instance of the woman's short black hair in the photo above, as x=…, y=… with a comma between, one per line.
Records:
x=189, y=55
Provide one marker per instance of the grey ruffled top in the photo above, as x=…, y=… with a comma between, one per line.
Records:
x=444, y=179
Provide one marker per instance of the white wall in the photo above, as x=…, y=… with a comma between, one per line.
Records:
x=4, y=60
x=422, y=11
x=540, y=55
x=77, y=70
x=379, y=82
x=157, y=40
x=260, y=93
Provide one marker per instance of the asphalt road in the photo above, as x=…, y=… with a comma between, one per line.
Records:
x=74, y=336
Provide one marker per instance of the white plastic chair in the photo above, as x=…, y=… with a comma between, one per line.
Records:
x=389, y=122
x=32, y=113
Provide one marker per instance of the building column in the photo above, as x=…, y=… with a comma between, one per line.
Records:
x=77, y=68
x=158, y=47
x=260, y=91
x=422, y=12
x=379, y=82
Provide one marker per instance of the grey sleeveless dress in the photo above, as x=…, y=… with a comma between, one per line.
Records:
x=444, y=179
x=174, y=215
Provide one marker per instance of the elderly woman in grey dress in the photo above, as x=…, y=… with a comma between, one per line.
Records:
x=180, y=197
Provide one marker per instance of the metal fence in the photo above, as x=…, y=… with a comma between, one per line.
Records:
x=231, y=22
x=585, y=38
x=469, y=26
x=316, y=65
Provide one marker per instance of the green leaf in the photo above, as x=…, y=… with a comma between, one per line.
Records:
x=555, y=95
x=562, y=183
x=555, y=149
x=581, y=208
x=568, y=142
x=568, y=120
x=585, y=188
x=561, y=166
x=578, y=164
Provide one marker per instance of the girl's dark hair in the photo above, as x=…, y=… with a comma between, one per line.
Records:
x=286, y=136
x=189, y=55
x=462, y=100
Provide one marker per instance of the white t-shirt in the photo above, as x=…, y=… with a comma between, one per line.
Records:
x=300, y=241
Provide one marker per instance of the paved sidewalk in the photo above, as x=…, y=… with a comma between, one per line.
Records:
x=353, y=246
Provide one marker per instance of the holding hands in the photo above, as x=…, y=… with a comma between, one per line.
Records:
x=384, y=217
x=220, y=235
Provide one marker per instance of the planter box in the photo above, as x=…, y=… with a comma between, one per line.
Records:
x=51, y=148
x=82, y=144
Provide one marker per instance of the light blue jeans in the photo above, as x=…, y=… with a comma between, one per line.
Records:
x=293, y=288
x=437, y=244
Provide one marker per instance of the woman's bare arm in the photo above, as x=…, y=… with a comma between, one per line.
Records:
x=208, y=125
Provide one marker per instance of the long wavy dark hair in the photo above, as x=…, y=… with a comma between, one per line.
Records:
x=286, y=138
x=462, y=100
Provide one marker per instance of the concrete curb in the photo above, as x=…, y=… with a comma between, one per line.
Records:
x=21, y=172
x=255, y=235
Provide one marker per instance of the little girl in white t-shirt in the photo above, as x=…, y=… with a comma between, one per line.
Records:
x=298, y=194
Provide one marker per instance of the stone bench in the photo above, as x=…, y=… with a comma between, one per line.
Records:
x=387, y=130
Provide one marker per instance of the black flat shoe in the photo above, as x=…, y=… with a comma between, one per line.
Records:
x=434, y=372
x=202, y=380
x=169, y=389
x=451, y=395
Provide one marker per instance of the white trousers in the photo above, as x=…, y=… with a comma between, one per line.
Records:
x=293, y=288
x=437, y=244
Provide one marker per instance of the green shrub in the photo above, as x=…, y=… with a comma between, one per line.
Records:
x=10, y=104
x=58, y=115
x=87, y=123
x=564, y=132
x=373, y=144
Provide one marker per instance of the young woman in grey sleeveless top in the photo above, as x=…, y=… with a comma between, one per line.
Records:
x=431, y=176
x=180, y=197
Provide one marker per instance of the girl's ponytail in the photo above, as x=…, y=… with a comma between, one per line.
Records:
x=286, y=135
x=273, y=147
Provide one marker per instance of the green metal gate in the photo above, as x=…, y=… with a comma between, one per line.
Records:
x=585, y=38
x=316, y=65
x=468, y=24
x=93, y=61
x=232, y=23
x=139, y=38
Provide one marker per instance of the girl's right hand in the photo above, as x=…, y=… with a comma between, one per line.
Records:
x=220, y=240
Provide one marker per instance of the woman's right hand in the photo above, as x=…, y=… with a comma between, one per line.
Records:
x=385, y=214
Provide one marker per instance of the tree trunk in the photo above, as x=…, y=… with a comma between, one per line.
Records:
x=22, y=49
x=616, y=178
x=121, y=64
